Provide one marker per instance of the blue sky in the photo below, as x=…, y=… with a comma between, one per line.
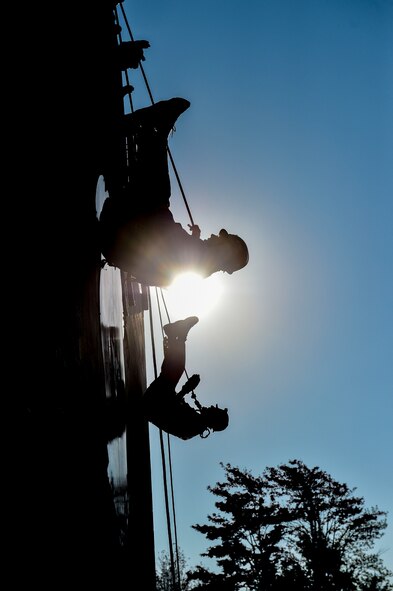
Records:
x=289, y=143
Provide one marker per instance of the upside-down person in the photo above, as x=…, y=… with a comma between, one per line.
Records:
x=138, y=233
x=166, y=408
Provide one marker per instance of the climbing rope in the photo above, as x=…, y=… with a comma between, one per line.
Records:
x=175, y=573
x=174, y=168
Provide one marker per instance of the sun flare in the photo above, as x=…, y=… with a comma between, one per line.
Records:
x=191, y=295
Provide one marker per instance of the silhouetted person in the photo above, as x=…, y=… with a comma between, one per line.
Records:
x=166, y=408
x=137, y=230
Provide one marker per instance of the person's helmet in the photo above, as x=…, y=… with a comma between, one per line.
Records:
x=216, y=418
x=237, y=252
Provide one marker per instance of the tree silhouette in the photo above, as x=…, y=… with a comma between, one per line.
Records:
x=164, y=577
x=294, y=528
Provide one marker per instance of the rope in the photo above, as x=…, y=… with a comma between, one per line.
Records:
x=175, y=580
x=128, y=84
x=169, y=447
x=167, y=509
x=180, y=185
x=173, y=509
x=140, y=63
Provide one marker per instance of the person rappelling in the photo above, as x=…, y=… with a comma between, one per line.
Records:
x=137, y=230
x=166, y=408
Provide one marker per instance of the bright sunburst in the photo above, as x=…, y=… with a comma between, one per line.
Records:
x=191, y=295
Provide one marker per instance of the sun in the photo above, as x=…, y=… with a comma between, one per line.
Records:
x=191, y=295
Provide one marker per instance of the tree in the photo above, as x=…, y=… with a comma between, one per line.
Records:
x=292, y=527
x=164, y=578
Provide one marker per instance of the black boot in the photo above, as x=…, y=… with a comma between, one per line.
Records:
x=160, y=117
x=180, y=328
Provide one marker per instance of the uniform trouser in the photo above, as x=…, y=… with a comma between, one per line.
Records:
x=173, y=365
x=149, y=183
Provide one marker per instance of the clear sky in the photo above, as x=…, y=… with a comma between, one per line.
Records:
x=289, y=143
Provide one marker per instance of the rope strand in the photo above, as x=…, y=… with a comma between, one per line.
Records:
x=175, y=580
x=152, y=102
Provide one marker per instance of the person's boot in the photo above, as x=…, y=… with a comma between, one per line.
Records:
x=160, y=117
x=180, y=328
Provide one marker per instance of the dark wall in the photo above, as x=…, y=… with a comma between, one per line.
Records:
x=63, y=93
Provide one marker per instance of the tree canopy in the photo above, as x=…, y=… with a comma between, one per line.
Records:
x=293, y=527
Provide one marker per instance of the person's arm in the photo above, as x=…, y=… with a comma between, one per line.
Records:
x=190, y=384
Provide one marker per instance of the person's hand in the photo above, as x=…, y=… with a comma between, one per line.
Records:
x=130, y=53
x=190, y=384
x=193, y=381
x=195, y=230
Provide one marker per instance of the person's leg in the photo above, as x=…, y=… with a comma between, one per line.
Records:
x=147, y=132
x=173, y=366
x=149, y=172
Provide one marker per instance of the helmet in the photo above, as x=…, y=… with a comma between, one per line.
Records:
x=237, y=252
x=216, y=418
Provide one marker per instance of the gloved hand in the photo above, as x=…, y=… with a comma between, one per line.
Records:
x=195, y=230
x=190, y=384
x=130, y=53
